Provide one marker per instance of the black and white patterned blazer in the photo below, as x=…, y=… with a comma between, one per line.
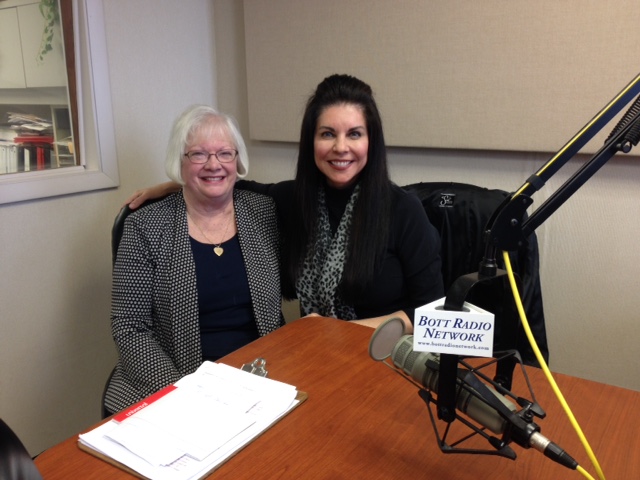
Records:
x=154, y=311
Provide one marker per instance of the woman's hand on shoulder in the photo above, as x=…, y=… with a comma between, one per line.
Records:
x=157, y=191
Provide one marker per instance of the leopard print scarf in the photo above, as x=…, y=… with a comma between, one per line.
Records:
x=322, y=268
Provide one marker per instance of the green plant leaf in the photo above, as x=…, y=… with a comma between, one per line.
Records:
x=51, y=15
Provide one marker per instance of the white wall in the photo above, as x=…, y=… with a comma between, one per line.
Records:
x=55, y=343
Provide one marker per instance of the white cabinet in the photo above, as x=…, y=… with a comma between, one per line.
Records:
x=52, y=70
x=11, y=65
x=21, y=30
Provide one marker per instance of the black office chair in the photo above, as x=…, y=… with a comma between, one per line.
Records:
x=15, y=461
x=116, y=236
x=460, y=212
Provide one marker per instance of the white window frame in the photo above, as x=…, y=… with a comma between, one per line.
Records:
x=96, y=134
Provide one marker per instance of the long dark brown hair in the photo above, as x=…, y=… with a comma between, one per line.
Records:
x=370, y=223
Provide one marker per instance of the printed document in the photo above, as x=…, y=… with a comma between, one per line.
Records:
x=188, y=429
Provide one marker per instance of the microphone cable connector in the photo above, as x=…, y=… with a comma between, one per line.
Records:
x=552, y=450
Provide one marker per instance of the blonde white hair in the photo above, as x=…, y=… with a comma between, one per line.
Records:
x=202, y=119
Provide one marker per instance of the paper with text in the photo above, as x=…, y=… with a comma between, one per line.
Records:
x=184, y=434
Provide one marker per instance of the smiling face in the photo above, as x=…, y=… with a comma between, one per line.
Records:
x=341, y=144
x=210, y=181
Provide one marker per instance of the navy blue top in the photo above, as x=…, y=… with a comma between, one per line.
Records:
x=224, y=299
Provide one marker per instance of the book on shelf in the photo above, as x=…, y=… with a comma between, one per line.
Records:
x=9, y=158
x=27, y=154
x=190, y=428
x=16, y=158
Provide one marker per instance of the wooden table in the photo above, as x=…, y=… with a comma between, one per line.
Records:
x=363, y=421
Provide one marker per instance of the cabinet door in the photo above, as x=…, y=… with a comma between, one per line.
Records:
x=52, y=70
x=11, y=67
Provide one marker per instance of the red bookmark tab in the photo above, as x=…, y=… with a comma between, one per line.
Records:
x=123, y=415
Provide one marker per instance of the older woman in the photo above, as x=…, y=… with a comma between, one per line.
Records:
x=197, y=273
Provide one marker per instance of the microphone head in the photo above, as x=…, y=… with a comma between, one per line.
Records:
x=385, y=337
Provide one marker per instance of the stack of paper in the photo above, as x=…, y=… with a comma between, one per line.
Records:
x=186, y=430
x=29, y=122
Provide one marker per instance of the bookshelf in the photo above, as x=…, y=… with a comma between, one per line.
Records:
x=63, y=137
x=35, y=137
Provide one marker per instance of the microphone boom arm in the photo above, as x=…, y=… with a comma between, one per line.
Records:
x=506, y=230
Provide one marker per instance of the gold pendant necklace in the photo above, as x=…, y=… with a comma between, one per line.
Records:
x=217, y=247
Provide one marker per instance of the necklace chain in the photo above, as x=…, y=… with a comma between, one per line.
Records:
x=217, y=247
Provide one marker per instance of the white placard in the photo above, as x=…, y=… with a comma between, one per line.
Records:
x=468, y=333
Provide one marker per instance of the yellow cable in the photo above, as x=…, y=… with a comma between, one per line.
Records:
x=547, y=372
x=584, y=472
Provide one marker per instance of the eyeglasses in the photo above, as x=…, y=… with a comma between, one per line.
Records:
x=223, y=156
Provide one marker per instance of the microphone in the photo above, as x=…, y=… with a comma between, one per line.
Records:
x=480, y=402
x=424, y=367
